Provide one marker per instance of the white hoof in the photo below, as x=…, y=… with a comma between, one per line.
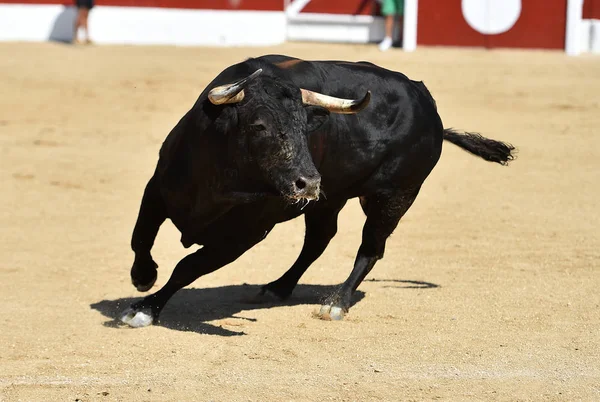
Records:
x=336, y=313
x=137, y=319
x=329, y=313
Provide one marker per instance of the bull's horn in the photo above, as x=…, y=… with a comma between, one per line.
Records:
x=231, y=93
x=335, y=105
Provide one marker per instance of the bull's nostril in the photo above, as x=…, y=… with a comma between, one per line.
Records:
x=300, y=184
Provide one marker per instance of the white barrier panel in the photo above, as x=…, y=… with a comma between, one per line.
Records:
x=585, y=29
x=145, y=26
x=335, y=28
x=573, y=28
x=589, y=35
x=31, y=23
x=411, y=16
x=595, y=36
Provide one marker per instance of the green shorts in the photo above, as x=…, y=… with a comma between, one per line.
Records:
x=392, y=7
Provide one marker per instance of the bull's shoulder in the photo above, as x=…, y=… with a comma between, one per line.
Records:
x=281, y=62
x=361, y=63
x=275, y=58
x=295, y=68
x=362, y=70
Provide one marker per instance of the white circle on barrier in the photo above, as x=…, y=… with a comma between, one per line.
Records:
x=491, y=17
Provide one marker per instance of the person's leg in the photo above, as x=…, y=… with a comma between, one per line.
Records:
x=84, y=24
x=77, y=26
x=389, y=26
x=388, y=10
x=400, y=20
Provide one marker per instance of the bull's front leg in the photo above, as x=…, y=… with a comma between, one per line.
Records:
x=321, y=227
x=204, y=261
x=383, y=211
x=152, y=214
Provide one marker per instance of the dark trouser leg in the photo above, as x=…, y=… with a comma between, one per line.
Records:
x=321, y=227
x=152, y=214
x=383, y=214
x=190, y=268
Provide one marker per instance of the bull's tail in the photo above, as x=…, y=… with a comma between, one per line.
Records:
x=490, y=150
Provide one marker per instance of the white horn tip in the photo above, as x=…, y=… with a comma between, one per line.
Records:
x=255, y=74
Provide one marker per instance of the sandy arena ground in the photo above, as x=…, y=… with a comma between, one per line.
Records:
x=489, y=289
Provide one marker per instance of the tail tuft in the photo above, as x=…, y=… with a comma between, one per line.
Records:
x=488, y=149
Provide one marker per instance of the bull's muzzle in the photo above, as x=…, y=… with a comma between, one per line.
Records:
x=307, y=187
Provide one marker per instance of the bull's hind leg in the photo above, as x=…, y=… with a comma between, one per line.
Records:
x=202, y=262
x=384, y=211
x=152, y=214
x=321, y=227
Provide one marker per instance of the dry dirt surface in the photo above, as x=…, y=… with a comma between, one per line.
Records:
x=489, y=289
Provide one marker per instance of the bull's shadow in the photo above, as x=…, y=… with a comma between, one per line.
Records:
x=405, y=284
x=190, y=309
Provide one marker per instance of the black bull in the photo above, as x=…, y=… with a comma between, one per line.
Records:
x=262, y=145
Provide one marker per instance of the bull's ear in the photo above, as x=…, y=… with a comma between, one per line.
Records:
x=316, y=116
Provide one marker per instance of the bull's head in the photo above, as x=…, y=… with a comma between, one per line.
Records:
x=274, y=117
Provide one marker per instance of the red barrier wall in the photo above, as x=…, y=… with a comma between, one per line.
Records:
x=442, y=23
x=351, y=7
x=257, y=5
x=591, y=9
x=540, y=25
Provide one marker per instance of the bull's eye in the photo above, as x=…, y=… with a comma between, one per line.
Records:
x=258, y=127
